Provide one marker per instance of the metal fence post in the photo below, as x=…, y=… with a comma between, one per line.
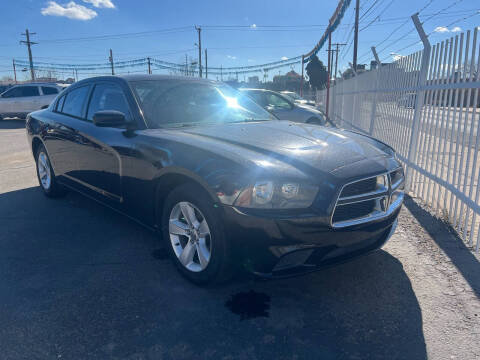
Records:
x=354, y=95
x=375, y=88
x=419, y=101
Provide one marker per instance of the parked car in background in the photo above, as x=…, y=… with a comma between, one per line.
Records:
x=222, y=181
x=4, y=88
x=297, y=98
x=22, y=99
x=284, y=108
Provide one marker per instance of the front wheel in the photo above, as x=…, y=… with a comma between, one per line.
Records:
x=46, y=176
x=194, y=235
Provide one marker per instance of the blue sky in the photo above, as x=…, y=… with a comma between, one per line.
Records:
x=266, y=30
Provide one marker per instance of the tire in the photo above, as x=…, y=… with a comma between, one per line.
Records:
x=46, y=176
x=178, y=235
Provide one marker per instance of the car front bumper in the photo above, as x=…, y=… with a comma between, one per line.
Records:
x=278, y=247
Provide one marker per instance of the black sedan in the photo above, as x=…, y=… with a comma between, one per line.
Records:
x=226, y=185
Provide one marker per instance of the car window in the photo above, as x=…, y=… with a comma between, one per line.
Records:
x=277, y=101
x=258, y=97
x=74, y=101
x=60, y=103
x=48, y=90
x=22, y=91
x=107, y=97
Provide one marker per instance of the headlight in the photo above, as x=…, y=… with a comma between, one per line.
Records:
x=272, y=195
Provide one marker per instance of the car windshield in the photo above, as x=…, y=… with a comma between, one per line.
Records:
x=175, y=103
x=292, y=95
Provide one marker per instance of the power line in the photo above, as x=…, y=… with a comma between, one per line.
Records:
x=432, y=16
x=121, y=35
x=378, y=16
x=369, y=9
x=438, y=12
x=457, y=21
x=427, y=4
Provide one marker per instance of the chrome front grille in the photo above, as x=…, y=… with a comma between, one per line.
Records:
x=368, y=199
x=360, y=187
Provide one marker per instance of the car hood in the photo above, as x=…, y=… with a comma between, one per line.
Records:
x=285, y=144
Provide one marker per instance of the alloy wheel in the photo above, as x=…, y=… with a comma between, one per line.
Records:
x=190, y=236
x=44, y=174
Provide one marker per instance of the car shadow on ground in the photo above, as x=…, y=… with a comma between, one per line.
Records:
x=12, y=124
x=80, y=281
x=453, y=246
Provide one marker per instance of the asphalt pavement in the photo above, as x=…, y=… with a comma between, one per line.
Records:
x=79, y=281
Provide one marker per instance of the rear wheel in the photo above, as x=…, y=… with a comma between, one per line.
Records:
x=194, y=235
x=45, y=174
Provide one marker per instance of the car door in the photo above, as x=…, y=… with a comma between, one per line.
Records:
x=104, y=149
x=20, y=100
x=63, y=138
x=30, y=99
x=8, y=99
x=280, y=106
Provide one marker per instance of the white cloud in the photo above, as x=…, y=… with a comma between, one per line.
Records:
x=444, y=29
x=250, y=60
x=71, y=10
x=284, y=58
x=231, y=57
x=441, y=29
x=253, y=26
x=396, y=56
x=101, y=3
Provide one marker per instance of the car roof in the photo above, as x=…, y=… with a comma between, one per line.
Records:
x=142, y=77
x=37, y=84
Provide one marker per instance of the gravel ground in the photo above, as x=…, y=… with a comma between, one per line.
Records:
x=78, y=281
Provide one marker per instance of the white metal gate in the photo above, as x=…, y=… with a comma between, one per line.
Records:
x=426, y=106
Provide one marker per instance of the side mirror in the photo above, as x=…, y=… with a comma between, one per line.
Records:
x=109, y=118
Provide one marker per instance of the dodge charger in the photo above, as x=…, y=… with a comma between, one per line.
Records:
x=225, y=184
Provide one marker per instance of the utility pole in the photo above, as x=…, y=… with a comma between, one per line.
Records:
x=301, y=80
x=221, y=73
x=14, y=71
x=76, y=75
x=149, y=68
x=29, y=46
x=355, y=37
x=329, y=71
x=199, y=29
x=186, y=65
x=337, y=45
x=206, y=65
x=111, y=62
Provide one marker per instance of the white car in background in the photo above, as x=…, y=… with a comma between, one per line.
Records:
x=284, y=108
x=20, y=100
x=297, y=98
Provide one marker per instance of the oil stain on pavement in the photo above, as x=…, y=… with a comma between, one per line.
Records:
x=249, y=305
